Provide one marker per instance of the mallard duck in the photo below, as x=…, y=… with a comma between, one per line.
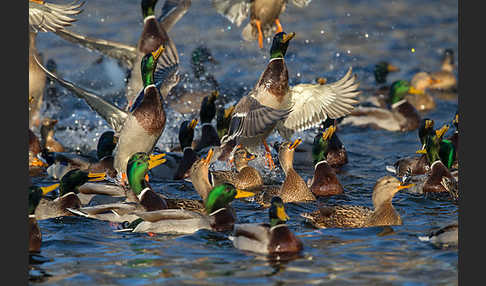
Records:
x=48, y=141
x=44, y=17
x=61, y=162
x=272, y=104
x=273, y=238
x=381, y=71
x=209, y=135
x=68, y=190
x=324, y=182
x=294, y=188
x=186, y=136
x=436, y=148
x=454, y=139
x=383, y=212
x=223, y=119
x=401, y=116
x=35, y=235
x=421, y=99
x=246, y=177
x=139, y=128
x=445, y=236
x=418, y=164
x=187, y=97
x=218, y=215
x=327, y=146
x=263, y=14
x=445, y=78
x=154, y=34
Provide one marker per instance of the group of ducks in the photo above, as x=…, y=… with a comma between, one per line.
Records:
x=126, y=159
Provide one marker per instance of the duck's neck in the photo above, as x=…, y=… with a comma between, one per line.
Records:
x=287, y=162
x=240, y=164
x=201, y=183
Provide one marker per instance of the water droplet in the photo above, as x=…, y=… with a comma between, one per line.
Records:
x=348, y=51
x=322, y=32
x=306, y=41
x=413, y=50
x=366, y=35
x=338, y=54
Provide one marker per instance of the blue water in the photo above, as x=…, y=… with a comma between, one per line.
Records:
x=331, y=36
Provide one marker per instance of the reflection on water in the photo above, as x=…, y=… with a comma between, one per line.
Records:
x=331, y=36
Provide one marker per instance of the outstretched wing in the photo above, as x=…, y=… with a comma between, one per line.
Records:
x=301, y=3
x=47, y=17
x=314, y=103
x=234, y=10
x=172, y=12
x=250, y=118
x=124, y=53
x=114, y=116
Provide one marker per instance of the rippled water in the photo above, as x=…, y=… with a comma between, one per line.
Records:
x=331, y=36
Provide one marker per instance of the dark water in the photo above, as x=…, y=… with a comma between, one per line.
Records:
x=331, y=36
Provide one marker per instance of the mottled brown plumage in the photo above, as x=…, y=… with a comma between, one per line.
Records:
x=35, y=235
x=56, y=208
x=150, y=113
x=383, y=212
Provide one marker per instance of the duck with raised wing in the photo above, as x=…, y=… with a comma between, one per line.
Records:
x=139, y=128
x=154, y=34
x=273, y=104
x=274, y=238
x=263, y=15
x=44, y=17
x=350, y=216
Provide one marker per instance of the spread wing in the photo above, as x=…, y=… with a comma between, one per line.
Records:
x=47, y=17
x=301, y=3
x=250, y=118
x=114, y=116
x=124, y=53
x=314, y=103
x=172, y=11
x=234, y=10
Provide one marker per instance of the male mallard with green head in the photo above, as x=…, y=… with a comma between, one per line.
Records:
x=68, y=190
x=263, y=14
x=327, y=146
x=324, y=182
x=44, y=17
x=344, y=216
x=138, y=129
x=273, y=238
x=401, y=116
x=273, y=104
x=154, y=34
x=218, y=215
x=418, y=164
x=294, y=188
x=381, y=71
x=246, y=177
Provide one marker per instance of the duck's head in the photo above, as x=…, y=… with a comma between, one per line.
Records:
x=448, y=60
x=426, y=128
x=277, y=212
x=148, y=8
x=202, y=55
x=199, y=174
x=208, y=107
x=242, y=157
x=137, y=169
x=223, y=120
x=286, y=153
x=431, y=145
x=385, y=188
x=186, y=133
x=321, y=144
x=148, y=65
x=399, y=89
x=222, y=195
x=421, y=81
x=36, y=193
x=106, y=144
x=280, y=44
x=73, y=179
x=381, y=71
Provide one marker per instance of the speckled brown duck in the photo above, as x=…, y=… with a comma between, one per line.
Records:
x=245, y=177
x=350, y=216
x=48, y=141
x=273, y=238
x=294, y=188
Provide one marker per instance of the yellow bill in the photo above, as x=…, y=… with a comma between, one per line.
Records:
x=442, y=131
x=288, y=37
x=392, y=68
x=48, y=189
x=415, y=91
x=158, y=52
x=209, y=156
x=456, y=119
x=401, y=187
x=36, y=162
x=321, y=80
x=281, y=214
x=156, y=160
x=421, y=151
x=243, y=194
x=228, y=111
x=94, y=177
x=295, y=144
x=328, y=132
x=193, y=124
